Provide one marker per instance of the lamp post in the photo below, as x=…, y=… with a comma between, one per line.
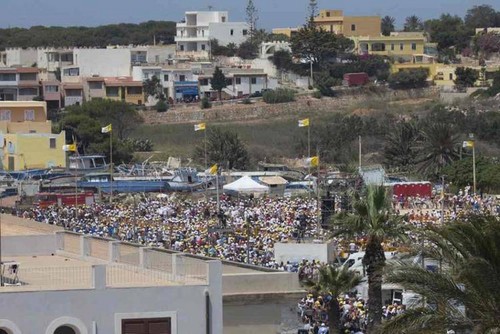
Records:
x=442, y=198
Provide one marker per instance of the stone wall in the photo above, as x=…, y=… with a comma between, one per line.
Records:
x=260, y=110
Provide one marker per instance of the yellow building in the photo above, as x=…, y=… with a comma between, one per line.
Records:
x=285, y=31
x=350, y=26
x=396, y=45
x=124, y=89
x=26, y=137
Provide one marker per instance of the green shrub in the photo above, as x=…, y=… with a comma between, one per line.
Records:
x=317, y=94
x=139, y=145
x=280, y=95
x=205, y=103
x=161, y=106
x=246, y=101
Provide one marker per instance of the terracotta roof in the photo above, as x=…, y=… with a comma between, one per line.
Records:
x=28, y=83
x=73, y=86
x=122, y=82
x=27, y=70
x=7, y=70
x=94, y=79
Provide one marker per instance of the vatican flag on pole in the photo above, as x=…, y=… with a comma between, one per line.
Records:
x=303, y=122
x=69, y=148
x=199, y=127
x=106, y=129
x=312, y=161
x=212, y=170
x=468, y=143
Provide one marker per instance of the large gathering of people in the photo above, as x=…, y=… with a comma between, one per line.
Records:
x=246, y=229
x=196, y=226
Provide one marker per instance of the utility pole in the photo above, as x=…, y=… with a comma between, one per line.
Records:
x=442, y=199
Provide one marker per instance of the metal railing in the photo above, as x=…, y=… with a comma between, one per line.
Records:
x=48, y=278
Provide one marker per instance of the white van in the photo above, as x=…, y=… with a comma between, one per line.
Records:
x=355, y=261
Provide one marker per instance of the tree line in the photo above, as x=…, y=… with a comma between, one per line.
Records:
x=162, y=32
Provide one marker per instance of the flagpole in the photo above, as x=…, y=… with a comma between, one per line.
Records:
x=359, y=152
x=318, y=211
x=206, y=162
x=309, y=145
x=111, y=165
x=474, y=164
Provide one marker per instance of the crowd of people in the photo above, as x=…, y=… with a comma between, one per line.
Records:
x=196, y=226
x=313, y=312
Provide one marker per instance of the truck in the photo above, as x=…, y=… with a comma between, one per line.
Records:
x=355, y=79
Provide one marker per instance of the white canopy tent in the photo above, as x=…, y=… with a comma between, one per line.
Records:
x=245, y=185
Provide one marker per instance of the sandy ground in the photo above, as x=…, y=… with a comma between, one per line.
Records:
x=12, y=225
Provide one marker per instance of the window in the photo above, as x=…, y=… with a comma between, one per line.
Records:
x=378, y=47
x=134, y=90
x=71, y=72
x=392, y=46
x=401, y=46
x=203, y=47
x=147, y=326
x=451, y=76
x=51, y=89
x=232, y=32
x=165, y=77
x=182, y=77
x=7, y=77
x=327, y=14
x=413, y=46
x=238, y=81
x=95, y=85
x=27, y=76
x=253, y=81
x=52, y=143
x=245, y=32
x=73, y=92
x=28, y=91
x=204, y=82
x=5, y=115
x=65, y=330
x=182, y=47
x=29, y=115
x=112, y=91
x=353, y=27
x=223, y=19
x=67, y=57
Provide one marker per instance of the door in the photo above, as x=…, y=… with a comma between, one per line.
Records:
x=12, y=165
x=147, y=326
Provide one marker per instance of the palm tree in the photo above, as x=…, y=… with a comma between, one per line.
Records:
x=399, y=150
x=332, y=282
x=372, y=219
x=438, y=148
x=413, y=23
x=387, y=25
x=465, y=295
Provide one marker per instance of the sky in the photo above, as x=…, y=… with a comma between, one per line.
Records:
x=272, y=13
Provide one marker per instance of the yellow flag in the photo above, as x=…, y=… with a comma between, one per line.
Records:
x=213, y=170
x=468, y=143
x=69, y=148
x=199, y=127
x=312, y=161
x=303, y=122
x=106, y=129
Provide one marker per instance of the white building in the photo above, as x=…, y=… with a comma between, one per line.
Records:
x=198, y=28
x=72, y=284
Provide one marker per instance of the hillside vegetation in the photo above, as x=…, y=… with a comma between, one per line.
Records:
x=101, y=36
